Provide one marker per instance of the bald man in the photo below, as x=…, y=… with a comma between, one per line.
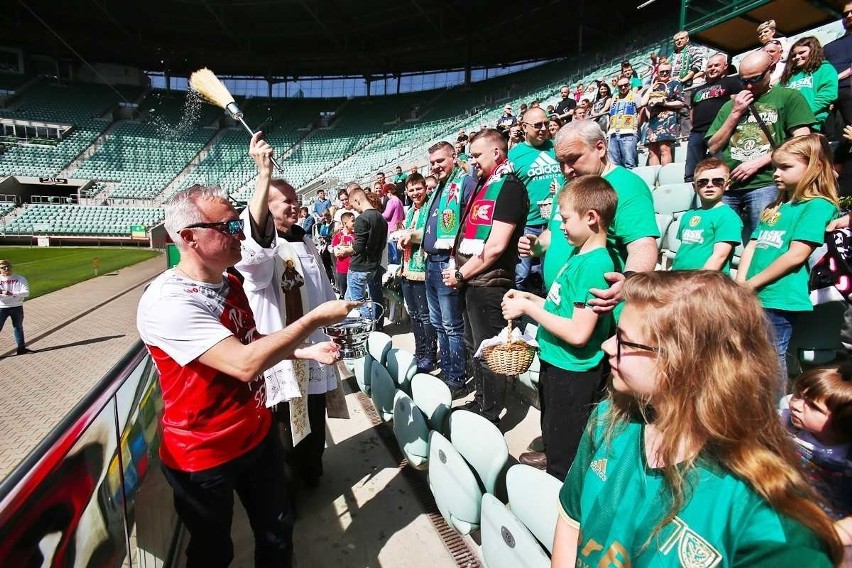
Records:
x=745, y=147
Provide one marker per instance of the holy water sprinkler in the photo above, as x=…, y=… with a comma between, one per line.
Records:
x=210, y=88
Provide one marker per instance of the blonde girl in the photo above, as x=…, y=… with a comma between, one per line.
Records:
x=774, y=263
x=686, y=462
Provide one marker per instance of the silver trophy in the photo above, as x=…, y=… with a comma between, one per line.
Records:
x=352, y=332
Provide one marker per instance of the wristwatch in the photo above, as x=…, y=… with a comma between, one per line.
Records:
x=459, y=277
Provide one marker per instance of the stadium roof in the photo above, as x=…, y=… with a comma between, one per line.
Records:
x=279, y=38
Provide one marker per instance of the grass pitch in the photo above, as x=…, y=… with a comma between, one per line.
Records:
x=49, y=269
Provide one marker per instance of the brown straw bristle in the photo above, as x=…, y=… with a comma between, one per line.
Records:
x=211, y=89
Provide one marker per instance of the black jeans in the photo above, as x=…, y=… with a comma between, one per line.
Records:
x=567, y=399
x=483, y=319
x=425, y=336
x=204, y=501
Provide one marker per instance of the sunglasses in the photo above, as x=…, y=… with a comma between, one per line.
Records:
x=755, y=79
x=701, y=183
x=666, y=72
x=847, y=13
x=620, y=342
x=5, y=266
x=537, y=125
x=232, y=227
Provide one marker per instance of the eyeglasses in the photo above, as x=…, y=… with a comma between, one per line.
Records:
x=755, y=79
x=664, y=72
x=232, y=227
x=701, y=183
x=620, y=85
x=847, y=13
x=537, y=125
x=5, y=266
x=620, y=342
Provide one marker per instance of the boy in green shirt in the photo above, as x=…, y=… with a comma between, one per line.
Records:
x=709, y=234
x=570, y=332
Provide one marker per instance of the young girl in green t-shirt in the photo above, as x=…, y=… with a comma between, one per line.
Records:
x=774, y=263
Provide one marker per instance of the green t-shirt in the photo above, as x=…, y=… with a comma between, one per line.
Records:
x=634, y=219
x=782, y=110
x=581, y=273
x=819, y=89
x=799, y=221
x=700, y=230
x=537, y=168
x=616, y=500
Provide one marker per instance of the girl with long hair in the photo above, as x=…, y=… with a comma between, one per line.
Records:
x=686, y=463
x=774, y=262
x=808, y=72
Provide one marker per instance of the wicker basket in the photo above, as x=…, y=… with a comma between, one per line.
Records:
x=513, y=358
x=545, y=208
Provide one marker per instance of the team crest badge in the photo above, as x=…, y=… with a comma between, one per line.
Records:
x=448, y=218
x=694, y=221
x=770, y=216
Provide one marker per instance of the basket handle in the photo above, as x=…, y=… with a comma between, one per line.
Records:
x=508, y=331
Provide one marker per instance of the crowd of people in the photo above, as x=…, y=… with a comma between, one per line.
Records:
x=659, y=390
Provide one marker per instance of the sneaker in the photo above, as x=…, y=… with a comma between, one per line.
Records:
x=425, y=367
x=537, y=460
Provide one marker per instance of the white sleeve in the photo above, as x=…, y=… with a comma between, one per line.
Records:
x=257, y=264
x=23, y=288
x=184, y=330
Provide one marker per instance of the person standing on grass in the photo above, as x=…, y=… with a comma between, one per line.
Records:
x=14, y=289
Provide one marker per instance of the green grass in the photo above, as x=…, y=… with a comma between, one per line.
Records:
x=51, y=269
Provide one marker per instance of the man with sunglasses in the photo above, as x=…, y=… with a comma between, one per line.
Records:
x=746, y=144
x=217, y=435
x=284, y=279
x=624, y=125
x=534, y=162
x=14, y=289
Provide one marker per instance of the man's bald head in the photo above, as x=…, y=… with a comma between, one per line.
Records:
x=754, y=63
x=532, y=118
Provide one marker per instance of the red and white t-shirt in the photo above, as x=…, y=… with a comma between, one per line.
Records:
x=209, y=418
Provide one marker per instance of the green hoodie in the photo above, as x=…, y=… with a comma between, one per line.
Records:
x=819, y=89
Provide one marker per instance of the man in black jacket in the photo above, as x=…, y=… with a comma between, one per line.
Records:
x=365, y=269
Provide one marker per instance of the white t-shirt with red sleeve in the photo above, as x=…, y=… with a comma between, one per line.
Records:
x=209, y=418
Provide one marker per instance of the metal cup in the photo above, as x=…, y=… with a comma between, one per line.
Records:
x=352, y=333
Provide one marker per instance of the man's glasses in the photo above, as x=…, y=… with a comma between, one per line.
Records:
x=664, y=72
x=537, y=125
x=701, y=183
x=620, y=342
x=5, y=266
x=622, y=85
x=847, y=13
x=755, y=79
x=232, y=227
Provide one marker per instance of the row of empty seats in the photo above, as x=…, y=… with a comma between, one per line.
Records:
x=470, y=473
x=83, y=220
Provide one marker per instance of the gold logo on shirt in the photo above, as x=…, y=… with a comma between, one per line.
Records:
x=599, y=467
x=692, y=550
x=694, y=221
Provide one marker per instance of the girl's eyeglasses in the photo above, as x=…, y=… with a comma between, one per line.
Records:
x=232, y=227
x=620, y=342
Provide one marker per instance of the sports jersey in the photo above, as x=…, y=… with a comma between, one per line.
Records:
x=580, y=273
x=537, y=169
x=819, y=88
x=700, y=230
x=616, y=499
x=208, y=418
x=624, y=114
x=782, y=110
x=792, y=221
x=634, y=219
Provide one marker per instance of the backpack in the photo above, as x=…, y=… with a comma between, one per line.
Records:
x=834, y=269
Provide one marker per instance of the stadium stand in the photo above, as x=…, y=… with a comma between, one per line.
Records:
x=83, y=220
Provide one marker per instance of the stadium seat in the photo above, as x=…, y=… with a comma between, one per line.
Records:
x=433, y=397
x=482, y=445
x=401, y=366
x=534, y=499
x=816, y=335
x=671, y=173
x=411, y=430
x=361, y=369
x=454, y=486
x=382, y=391
x=379, y=344
x=648, y=175
x=506, y=542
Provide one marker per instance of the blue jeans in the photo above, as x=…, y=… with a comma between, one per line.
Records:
x=528, y=266
x=425, y=337
x=445, y=314
x=696, y=150
x=754, y=201
x=17, y=315
x=782, y=323
x=357, y=286
x=623, y=151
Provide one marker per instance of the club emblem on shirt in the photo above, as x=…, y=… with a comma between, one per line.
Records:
x=448, y=218
x=693, y=550
x=694, y=221
x=770, y=216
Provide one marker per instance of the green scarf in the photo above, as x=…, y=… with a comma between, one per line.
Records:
x=413, y=255
x=479, y=216
x=449, y=209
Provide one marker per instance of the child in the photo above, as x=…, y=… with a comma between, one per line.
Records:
x=570, y=333
x=341, y=246
x=686, y=462
x=820, y=422
x=774, y=262
x=709, y=234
